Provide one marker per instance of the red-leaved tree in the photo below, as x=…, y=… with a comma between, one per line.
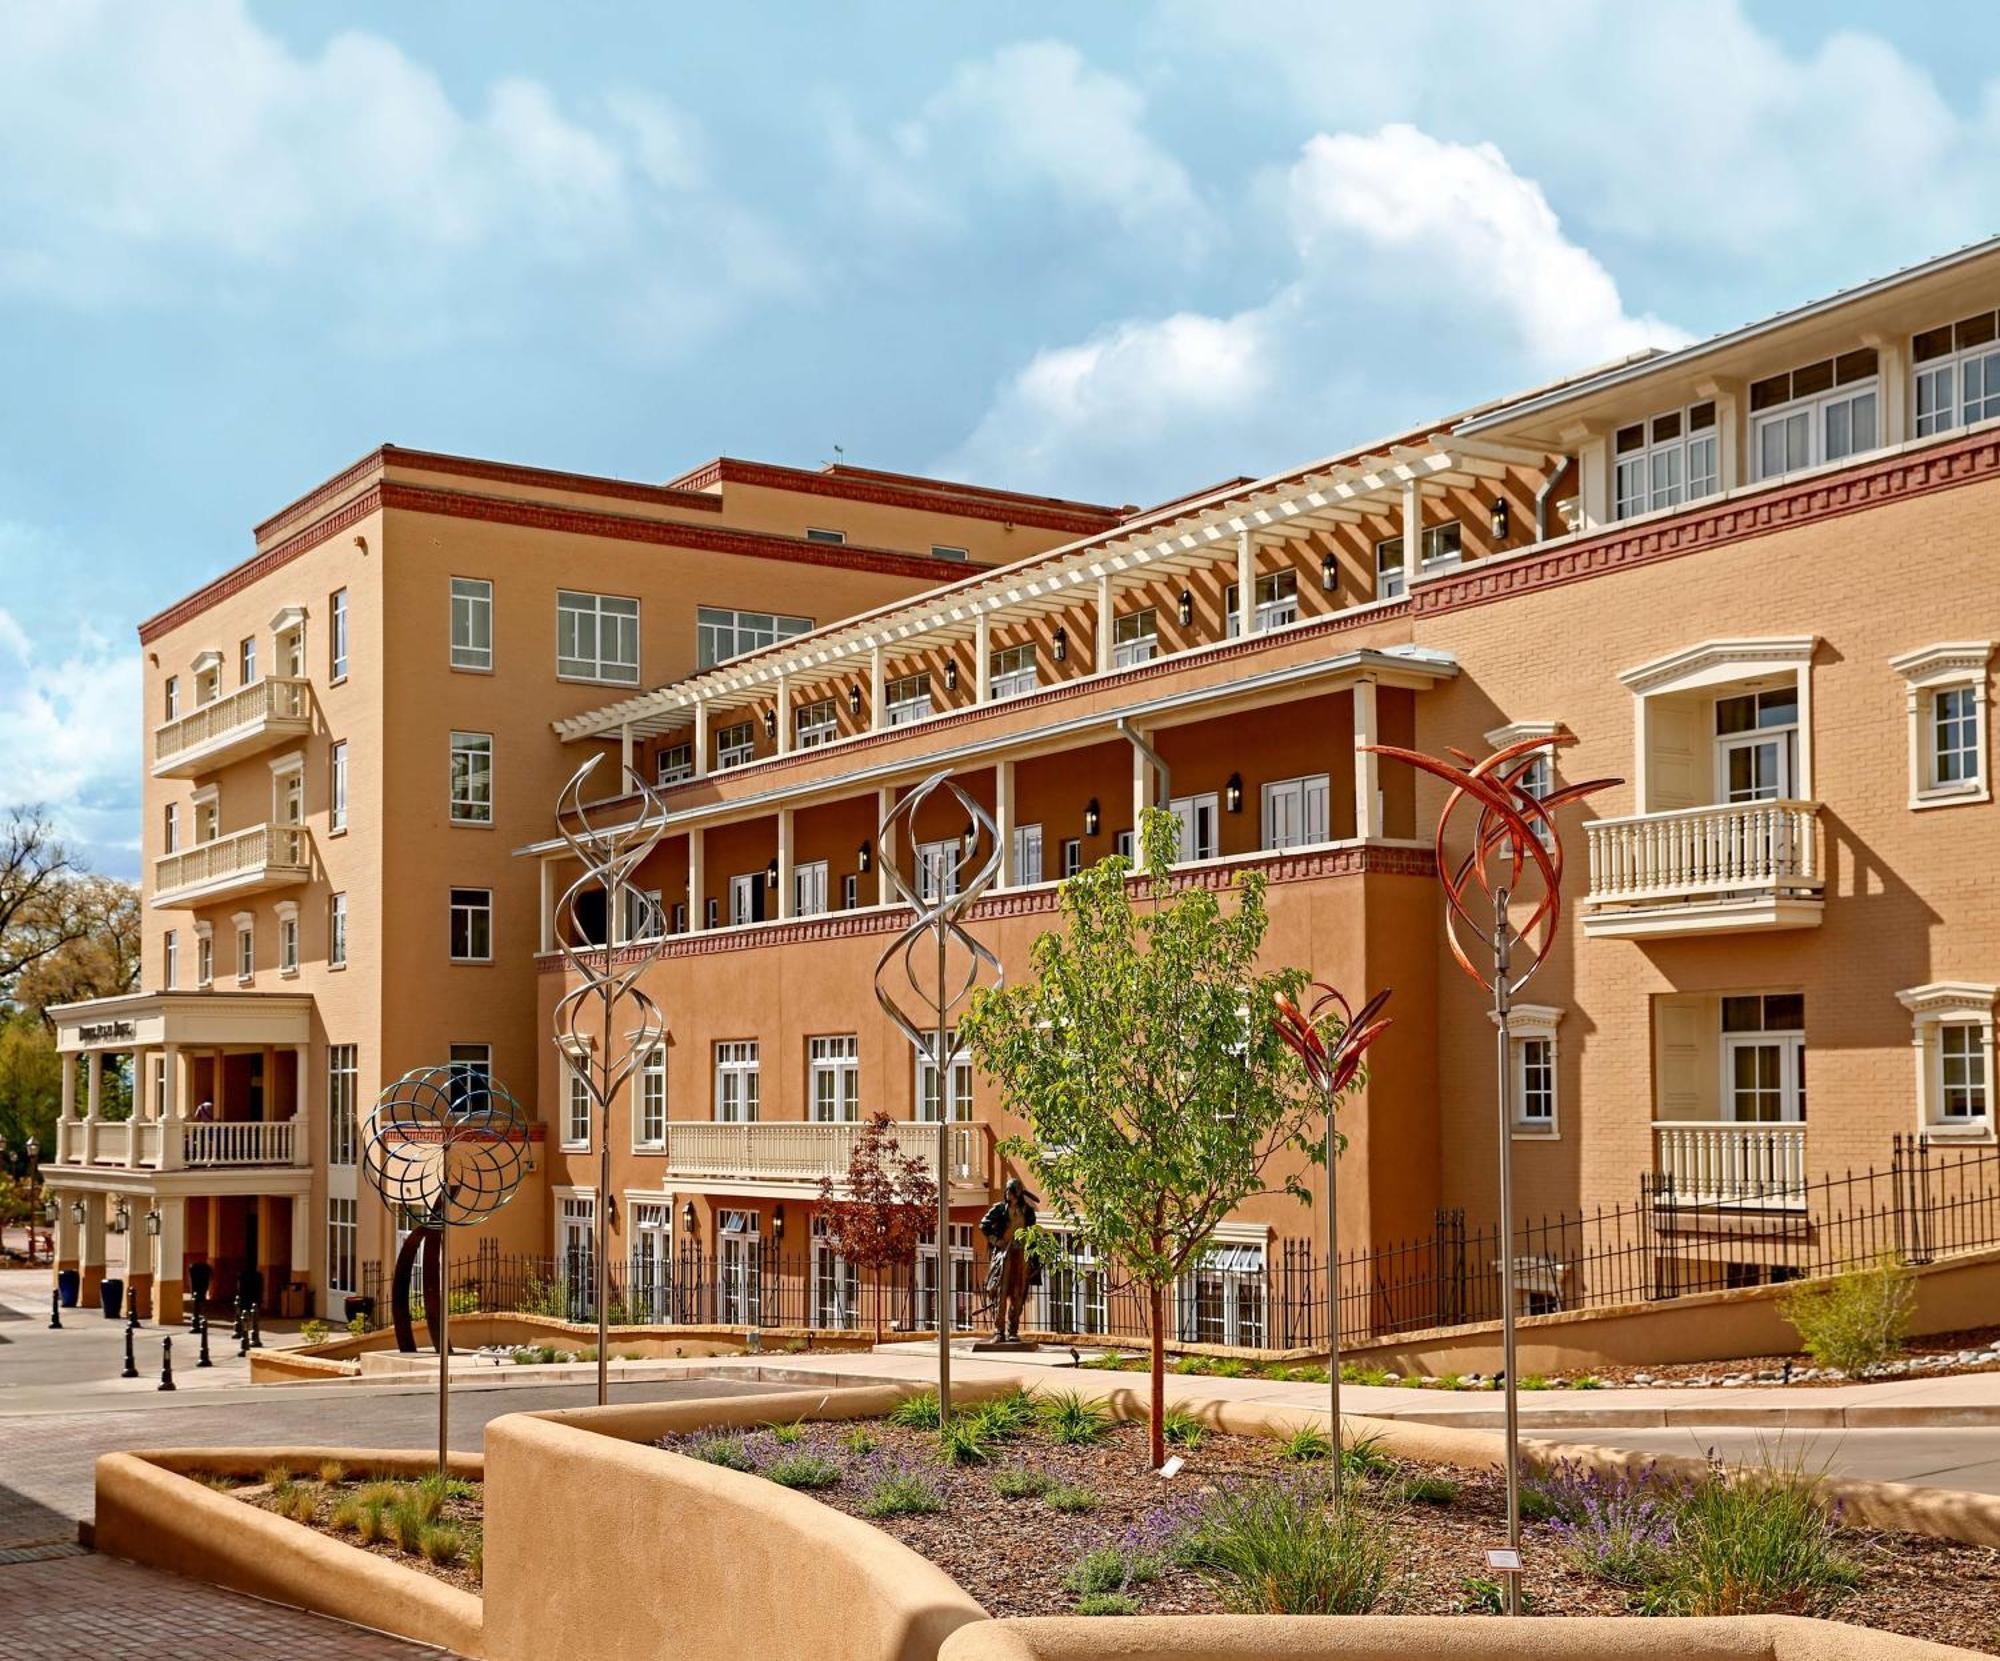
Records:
x=875, y=1215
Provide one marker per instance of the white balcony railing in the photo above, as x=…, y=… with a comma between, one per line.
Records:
x=1710, y=1162
x=1705, y=852
x=264, y=856
x=805, y=1153
x=238, y=1142
x=236, y=724
x=176, y=1144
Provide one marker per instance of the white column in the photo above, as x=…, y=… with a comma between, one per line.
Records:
x=1104, y=617
x=697, y=882
x=1413, y=534
x=1246, y=585
x=982, y=659
x=787, y=900
x=1142, y=798
x=548, y=905
x=885, y=890
x=1003, y=818
x=1367, y=772
x=91, y=1253
x=1896, y=425
x=138, y=1113
x=172, y=1104
x=1725, y=392
x=878, y=716
x=93, y=1082
x=784, y=715
x=624, y=757
x=68, y=1238
x=170, y=1248
x=68, y=1085
x=302, y=1119
x=303, y=1266
x=701, y=738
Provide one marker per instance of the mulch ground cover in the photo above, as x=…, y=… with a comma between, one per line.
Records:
x=462, y=1511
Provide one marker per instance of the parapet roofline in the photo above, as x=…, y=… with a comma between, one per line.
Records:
x=950, y=496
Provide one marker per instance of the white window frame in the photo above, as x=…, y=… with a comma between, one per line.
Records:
x=1027, y=852
x=288, y=631
x=204, y=954
x=725, y=632
x=833, y=1079
x=937, y=860
x=1012, y=671
x=172, y=697
x=597, y=630
x=744, y=902
x=288, y=937
x=170, y=829
x=1789, y=1042
x=475, y=915
x=343, y=1096
x=736, y=745
x=816, y=723
x=246, y=947
x=472, y=778
x=1663, y=470
x=1135, y=638
x=288, y=789
x=1193, y=812
x=343, y=1240
x=577, y=1113
x=472, y=624
x=170, y=959
x=1818, y=411
x=944, y=550
x=1939, y=381
x=1950, y=667
x=1277, y=603
x=809, y=892
x=645, y=916
x=207, y=802
x=336, y=636
x=1310, y=797
x=246, y=661
x=675, y=763
x=907, y=699
x=336, y=931
x=1443, y=548
x=336, y=794
x=738, y=1081
x=1933, y=1008
x=1531, y=1046
x=960, y=1102
x=1780, y=738
x=649, y=1102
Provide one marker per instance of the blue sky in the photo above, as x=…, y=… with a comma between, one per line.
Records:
x=1113, y=251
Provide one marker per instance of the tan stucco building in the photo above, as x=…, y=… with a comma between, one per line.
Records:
x=1748, y=576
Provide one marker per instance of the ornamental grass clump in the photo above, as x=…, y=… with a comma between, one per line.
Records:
x=1071, y=1421
x=1857, y=1320
x=1182, y=1429
x=901, y=1490
x=1754, y=1542
x=1276, y=1548
x=963, y=1441
x=918, y=1412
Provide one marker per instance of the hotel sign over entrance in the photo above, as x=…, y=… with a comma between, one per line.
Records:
x=107, y=1032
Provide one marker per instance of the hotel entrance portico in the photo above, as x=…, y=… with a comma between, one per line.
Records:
x=211, y=1161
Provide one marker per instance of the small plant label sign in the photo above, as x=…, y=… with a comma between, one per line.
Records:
x=1171, y=1468
x=1504, y=1560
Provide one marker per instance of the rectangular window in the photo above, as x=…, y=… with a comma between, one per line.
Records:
x=246, y=661
x=817, y=724
x=645, y=919
x=246, y=952
x=1444, y=545
x=1962, y=1070
x=472, y=778
x=736, y=1082
x=170, y=953
x=336, y=635
x=676, y=763
x=472, y=925
x=173, y=698
x=342, y=1237
x=1823, y=412
x=336, y=794
x=1027, y=854
x=1535, y=1082
x=288, y=791
x=907, y=699
x=927, y=1087
x=1135, y=638
x=940, y=550
x=833, y=1084
x=722, y=633
x=815, y=533
x=288, y=944
x=1121, y=845
x=937, y=867
x=1955, y=737
x=649, y=1127
x=292, y=653
x=1072, y=856
x=1295, y=812
x=1013, y=671
x=597, y=638
x=746, y=898
x=170, y=829
x=343, y=1092
x=1665, y=461
x=471, y=623
x=1957, y=374
x=207, y=817
x=1198, y=816
x=809, y=889
x=471, y=1068
x=336, y=931
x=679, y=919
x=734, y=746
x=1277, y=603
x=1756, y=743
x=204, y=959
x=850, y=892
x=576, y=1105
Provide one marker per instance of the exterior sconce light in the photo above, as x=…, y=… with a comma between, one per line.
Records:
x=1061, y=643
x=52, y=1209
x=951, y=674
x=34, y=1148
x=76, y=1212
x=771, y=875
x=1502, y=518
x=121, y=1219
x=770, y=723
x=528, y=1145
x=777, y=1225
x=1090, y=817
x=687, y=1216
x=866, y=860
x=854, y=700
x=153, y=1223
x=1187, y=607
x=1329, y=573
x=1232, y=793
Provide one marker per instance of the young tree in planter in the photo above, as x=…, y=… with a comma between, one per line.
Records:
x=1145, y=1057
x=875, y=1216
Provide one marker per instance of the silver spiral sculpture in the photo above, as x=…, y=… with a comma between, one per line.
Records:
x=605, y=1000
x=917, y=965
x=447, y=1146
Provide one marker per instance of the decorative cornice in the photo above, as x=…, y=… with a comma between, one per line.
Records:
x=900, y=490
x=1346, y=859
x=1950, y=997
x=1950, y=660
x=1696, y=665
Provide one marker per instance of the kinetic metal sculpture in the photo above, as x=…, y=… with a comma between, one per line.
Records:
x=1514, y=833
x=600, y=986
x=1330, y=1039
x=449, y=1146
x=952, y=876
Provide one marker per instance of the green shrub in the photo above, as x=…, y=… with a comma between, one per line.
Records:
x=1183, y=1429
x=1489, y=1597
x=346, y=1516
x=1855, y=1320
x=787, y=1435
x=358, y=1325
x=1754, y=1542
x=905, y=1491
x=313, y=1332
x=730, y=1452
x=1589, y=1381
x=918, y=1412
x=1534, y=1381
x=1306, y=1443
x=861, y=1441
x=1017, y=1482
x=1275, y=1548
x=1192, y=1366
x=1363, y=1455
x=1070, y=1497
x=1072, y=1421
x=1106, y=1569
x=295, y=1500
x=801, y=1468
x=277, y=1476
x=1010, y=1415
x=441, y=1543
x=962, y=1441
x=1229, y=1367
x=1107, y=1603
x=332, y=1471
x=1428, y=1490
x=1352, y=1372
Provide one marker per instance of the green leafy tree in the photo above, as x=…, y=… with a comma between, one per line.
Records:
x=1144, y=1056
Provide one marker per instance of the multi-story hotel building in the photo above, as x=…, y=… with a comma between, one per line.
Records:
x=1748, y=576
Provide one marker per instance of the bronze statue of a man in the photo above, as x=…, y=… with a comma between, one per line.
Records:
x=1010, y=1272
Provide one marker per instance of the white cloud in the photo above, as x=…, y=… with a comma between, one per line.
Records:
x=69, y=735
x=1399, y=242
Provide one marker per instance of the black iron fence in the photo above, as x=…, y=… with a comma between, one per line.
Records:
x=1929, y=1202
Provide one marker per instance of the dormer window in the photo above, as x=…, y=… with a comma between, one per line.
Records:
x=1824, y=412
x=1666, y=461
x=1957, y=374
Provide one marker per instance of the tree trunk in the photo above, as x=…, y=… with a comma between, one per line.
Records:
x=1157, y=1297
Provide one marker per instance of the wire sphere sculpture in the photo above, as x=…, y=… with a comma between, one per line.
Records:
x=609, y=855
x=446, y=1145
x=1514, y=834
x=953, y=876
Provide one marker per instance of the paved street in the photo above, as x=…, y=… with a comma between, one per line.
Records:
x=61, y=1405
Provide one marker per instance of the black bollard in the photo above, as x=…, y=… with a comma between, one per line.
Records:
x=256, y=1328
x=202, y=1360
x=199, y=1318
x=242, y=1342
x=236, y=1331
x=55, y=1309
x=167, y=1364
x=131, y=1365
x=131, y=1307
